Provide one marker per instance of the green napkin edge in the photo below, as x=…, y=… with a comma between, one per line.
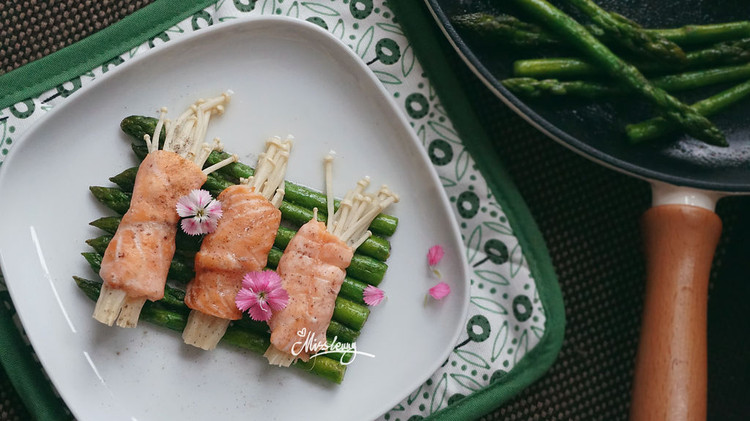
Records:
x=39, y=76
x=25, y=373
x=431, y=48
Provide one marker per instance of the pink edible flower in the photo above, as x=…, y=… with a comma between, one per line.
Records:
x=261, y=294
x=434, y=256
x=373, y=295
x=440, y=291
x=200, y=211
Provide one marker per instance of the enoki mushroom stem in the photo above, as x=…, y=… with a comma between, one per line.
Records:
x=185, y=135
x=357, y=209
x=268, y=179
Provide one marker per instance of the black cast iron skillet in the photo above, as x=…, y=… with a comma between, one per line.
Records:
x=680, y=230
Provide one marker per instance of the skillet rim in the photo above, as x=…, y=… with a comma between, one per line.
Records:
x=540, y=123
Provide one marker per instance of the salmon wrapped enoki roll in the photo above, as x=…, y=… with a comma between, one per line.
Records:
x=239, y=245
x=135, y=265
x=313, y=267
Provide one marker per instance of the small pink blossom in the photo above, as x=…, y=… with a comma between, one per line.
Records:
x=200, y=211
x=373, y=295
x=440, y=291
x=434, y=256
x=261, y=294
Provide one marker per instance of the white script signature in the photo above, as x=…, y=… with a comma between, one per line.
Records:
x=315, y=347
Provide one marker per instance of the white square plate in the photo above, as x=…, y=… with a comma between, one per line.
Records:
x=288, y=77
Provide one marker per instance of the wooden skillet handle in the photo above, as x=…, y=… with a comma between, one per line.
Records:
x=670, y=374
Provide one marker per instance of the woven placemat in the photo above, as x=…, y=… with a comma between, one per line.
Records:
x=33, y=29
x=587, y=214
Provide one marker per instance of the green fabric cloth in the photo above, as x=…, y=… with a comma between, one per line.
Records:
x=427, y=40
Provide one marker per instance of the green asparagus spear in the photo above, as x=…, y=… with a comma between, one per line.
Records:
x=107, y=224
x=554, y=68
x=99, y=244
x=727, y=52
x=654, y=128
x=137, y=126
x=113, y=198
x=706, y=34
x=126, y=179
x=535, y=88
x=730, y=52
x=505, y=29
x=539, y=88
x=687, y=118
x=173, y=319
x=350, y=314
x=508, y=30
x=629, y=35
x=341, y=332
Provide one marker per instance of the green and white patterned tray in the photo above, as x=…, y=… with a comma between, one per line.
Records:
x=515, y=323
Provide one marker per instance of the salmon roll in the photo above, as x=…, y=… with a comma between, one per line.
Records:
x=241, y=243
x=135, y=264
x=313, y=268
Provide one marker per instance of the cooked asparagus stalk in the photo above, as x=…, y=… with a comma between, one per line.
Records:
x=729, y=52
x=706, y=34
x=509, y=30
x=654, y=128
x=670, y=107
x=505, y=29
x=536, y=88
x=628, y=34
